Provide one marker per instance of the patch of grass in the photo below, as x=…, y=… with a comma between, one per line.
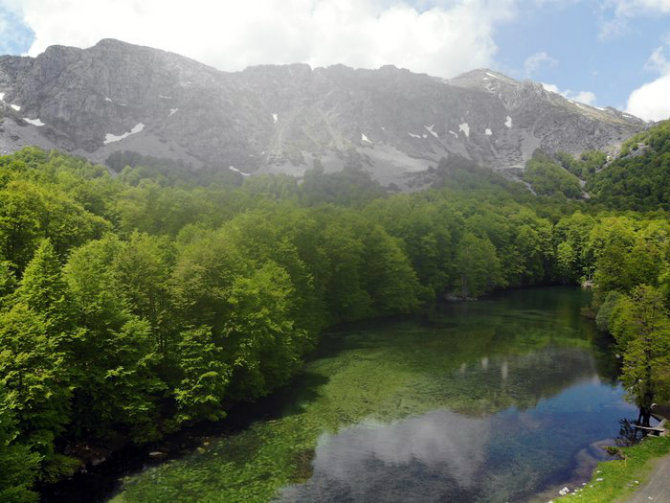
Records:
x=614, y=480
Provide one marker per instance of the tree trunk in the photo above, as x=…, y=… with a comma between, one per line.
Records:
x=644, y=418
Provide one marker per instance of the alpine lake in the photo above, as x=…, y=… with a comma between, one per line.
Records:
x=507, y=399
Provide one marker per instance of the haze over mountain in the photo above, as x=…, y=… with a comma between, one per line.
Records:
x=389, y=122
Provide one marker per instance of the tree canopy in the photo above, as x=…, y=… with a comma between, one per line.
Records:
x=131, y=305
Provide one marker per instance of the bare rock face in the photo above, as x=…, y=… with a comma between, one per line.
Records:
x=282, y=119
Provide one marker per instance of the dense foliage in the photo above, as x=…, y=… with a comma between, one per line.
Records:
x=548, y=178
x=133, y=304
x=640, y=177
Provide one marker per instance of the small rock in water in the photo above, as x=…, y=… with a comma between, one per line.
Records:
x=564, y=491
x=157, y=454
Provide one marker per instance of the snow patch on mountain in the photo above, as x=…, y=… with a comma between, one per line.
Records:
x=34, y=122
x=233, y=168
x=111, y=138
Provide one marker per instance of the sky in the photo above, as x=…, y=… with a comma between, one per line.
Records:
x=600, y=52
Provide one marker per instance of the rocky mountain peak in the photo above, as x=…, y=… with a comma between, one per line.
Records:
x=284, y=118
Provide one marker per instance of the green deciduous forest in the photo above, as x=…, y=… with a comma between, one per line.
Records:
x=137, y=302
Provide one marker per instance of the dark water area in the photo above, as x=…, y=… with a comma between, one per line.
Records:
x=507, y=399
x=98, y=481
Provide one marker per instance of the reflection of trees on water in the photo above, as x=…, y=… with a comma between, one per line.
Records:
x=607, y=364
x=628, y=434
x=521, y=381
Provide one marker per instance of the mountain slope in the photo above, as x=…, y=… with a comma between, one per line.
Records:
x=390, y=122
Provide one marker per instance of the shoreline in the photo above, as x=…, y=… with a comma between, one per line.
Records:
x=618, y=480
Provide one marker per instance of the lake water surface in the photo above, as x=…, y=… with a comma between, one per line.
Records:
x=500, y=400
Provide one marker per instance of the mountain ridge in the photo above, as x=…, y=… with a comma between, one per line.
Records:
x=389, y=122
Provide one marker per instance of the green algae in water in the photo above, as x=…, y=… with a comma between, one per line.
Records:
x=490, y=402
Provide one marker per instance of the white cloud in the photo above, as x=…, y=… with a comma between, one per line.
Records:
x=534, y=61
x=552, y=88
x=617, y=13
x=586, y=97
x=658, y=62
x=651, y=100
x=445, y=39
x=632, y=8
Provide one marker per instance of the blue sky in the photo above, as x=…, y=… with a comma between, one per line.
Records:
x=582, y=57
x=15, y=36
x=601, y=52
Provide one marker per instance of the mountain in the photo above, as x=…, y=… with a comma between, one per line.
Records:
x=390, y=122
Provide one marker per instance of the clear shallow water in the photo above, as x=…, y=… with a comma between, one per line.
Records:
x=444, y=456
x=501, y=400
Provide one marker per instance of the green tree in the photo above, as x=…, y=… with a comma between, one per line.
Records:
x=33, y=377
x=642, y=328
x=610, y=246
x=261, y=341
x=113, y=352
x=7, y=280
x=142, y=269
x=44, y=291
x=18, y=464
x=205, y=376
x=388, y=276
x=478, y=266
x=348, y=300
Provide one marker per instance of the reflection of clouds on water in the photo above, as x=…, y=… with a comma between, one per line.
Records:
x=551, y=405
x=429, y=458
x=528, y=421
x=441, y=440
x=443, y=456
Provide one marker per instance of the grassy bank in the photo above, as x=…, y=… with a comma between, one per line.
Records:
x=614, y=480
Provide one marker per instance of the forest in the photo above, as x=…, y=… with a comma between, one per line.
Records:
x=138, y=300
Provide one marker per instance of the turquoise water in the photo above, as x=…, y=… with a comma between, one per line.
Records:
x=501, y=400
